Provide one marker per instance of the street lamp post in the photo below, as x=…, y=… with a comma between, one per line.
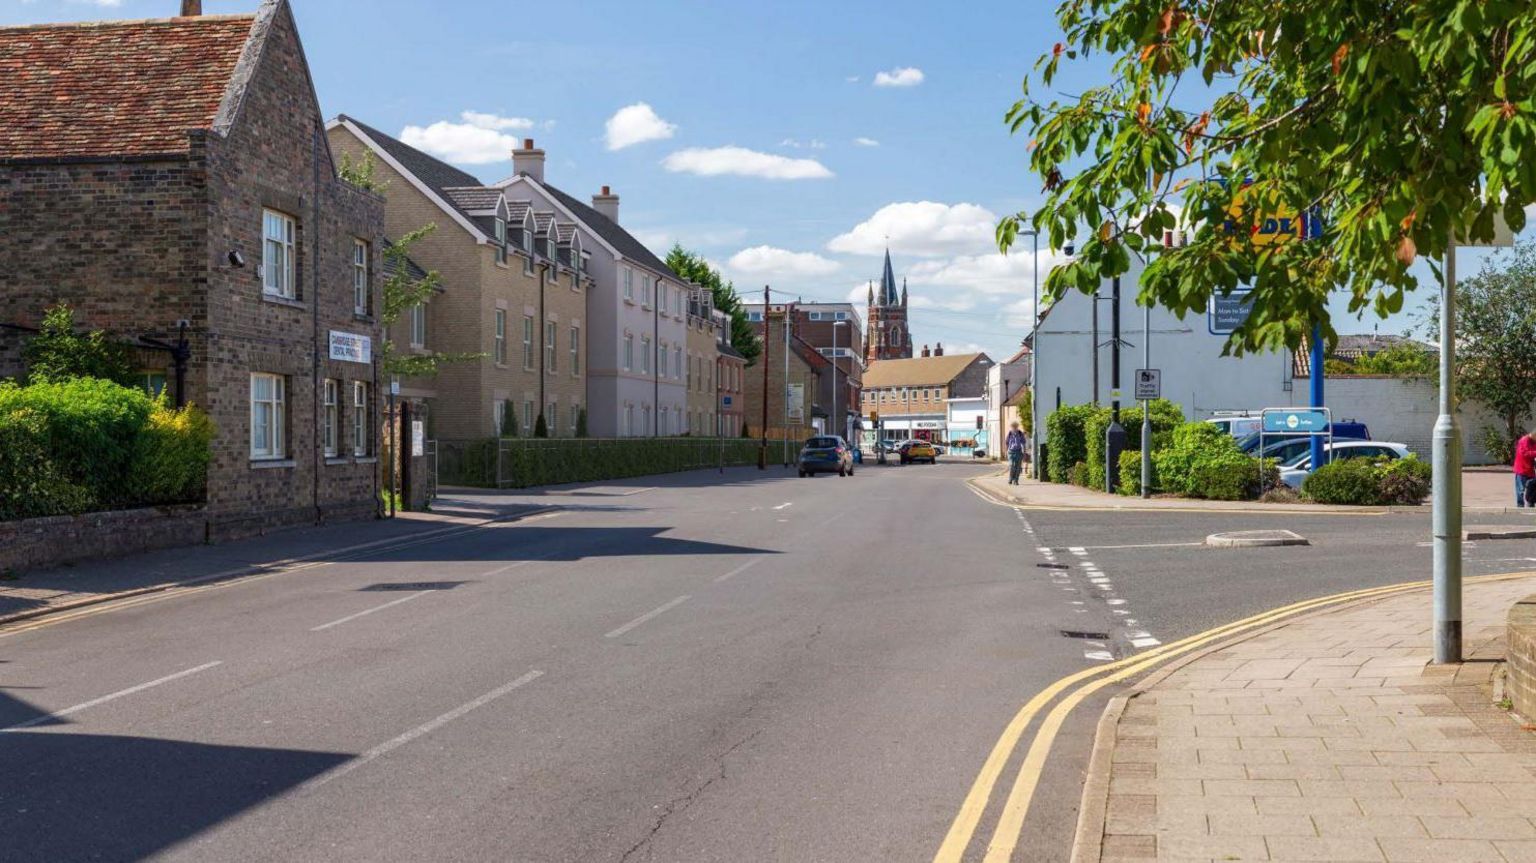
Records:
x=1446, y=479
x=840, y=425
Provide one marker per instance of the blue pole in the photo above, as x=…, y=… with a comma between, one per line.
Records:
x=1316, y=382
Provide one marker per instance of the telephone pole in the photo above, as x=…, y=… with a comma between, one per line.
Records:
x=762, y=450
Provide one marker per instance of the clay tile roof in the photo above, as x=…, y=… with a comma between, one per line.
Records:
x=917, y=371
x=114, y=88
x=474, y=198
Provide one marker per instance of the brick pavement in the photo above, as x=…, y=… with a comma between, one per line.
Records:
x=1330, y=739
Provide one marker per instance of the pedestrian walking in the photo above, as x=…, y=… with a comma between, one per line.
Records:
x=1016, y=453
x=1525, y=470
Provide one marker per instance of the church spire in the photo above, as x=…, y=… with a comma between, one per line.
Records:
x=888, y=283
x=903, y=291
x=871, y=300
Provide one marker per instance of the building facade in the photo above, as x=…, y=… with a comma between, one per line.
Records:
x=912, y=396
x=790, y=371
x=836, y=332
x=163, y=206
x=637, y=312
x=889, y=337
x=730, y=374
x=701, y=362
x=515, y=285
x=1006, y=381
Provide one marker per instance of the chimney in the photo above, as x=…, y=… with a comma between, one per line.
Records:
x=528, y=160
x=938, y=349
x=926, y=352
x=191, y=8
x=607, y=203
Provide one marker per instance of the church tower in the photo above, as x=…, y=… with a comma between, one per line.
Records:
x=888, y=338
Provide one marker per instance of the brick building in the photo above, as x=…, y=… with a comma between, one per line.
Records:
x=835, y=331
x=515, y=280
x=702, y=362
x=889, y=337
x=730, y=375
x=794, y=409
x=913, y=396
x=175, y=171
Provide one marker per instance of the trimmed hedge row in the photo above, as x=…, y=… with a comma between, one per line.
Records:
x=525, y=462
x=1076, y=436
x=85, y=444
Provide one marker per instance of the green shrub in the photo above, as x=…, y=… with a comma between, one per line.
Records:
x=92, y=426
x=1350, y=481
x=524, y=462
x=170, y=456
x=541, y=426
x=1403, y=481
x=1078, y=475
x=1166, y=416
x=1130, y=473
x=1064, y=430
x=1188, y=444
x=1231, y=476
x=58, y=353
x=31, y=483
x=581, y=423
x=1498, y=445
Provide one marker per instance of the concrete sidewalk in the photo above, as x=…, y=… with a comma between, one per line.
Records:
x=1485, y=491
x=34, y=593
x=1328, y=738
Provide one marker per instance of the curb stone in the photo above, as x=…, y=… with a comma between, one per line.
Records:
x=238, y=572
x=1088, y=840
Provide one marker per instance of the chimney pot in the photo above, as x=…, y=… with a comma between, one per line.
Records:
x=528, y=160
x=527, y=143
x=605, y=190
x=607, y=203
x=191, y=8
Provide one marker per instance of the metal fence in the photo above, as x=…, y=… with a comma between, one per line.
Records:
x=525, y=462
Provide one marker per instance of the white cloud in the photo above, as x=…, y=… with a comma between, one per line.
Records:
x=636, y=124
x=866, y=142
x=480, y=139
x=775, y=262
x=692, y=237
x=814, y=144
x=741, y=162
x=852, y=79
x=921, y=228
x=905, y=76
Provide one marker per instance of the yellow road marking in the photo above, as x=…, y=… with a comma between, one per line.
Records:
x=1005, y=838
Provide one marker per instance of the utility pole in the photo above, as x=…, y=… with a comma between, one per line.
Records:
x=762, y=450
x=1146, y=406
x=1114, y=436
x=788, y=308
x=1095, y=345
x=1446, y=479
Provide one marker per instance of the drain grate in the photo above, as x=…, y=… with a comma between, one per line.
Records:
x=1053, y=566
x=413, y=586
x=1077, y=633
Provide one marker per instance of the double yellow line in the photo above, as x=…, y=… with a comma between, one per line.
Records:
x=1010, y=824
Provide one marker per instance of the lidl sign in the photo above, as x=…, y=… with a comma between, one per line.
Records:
x=1277, y=223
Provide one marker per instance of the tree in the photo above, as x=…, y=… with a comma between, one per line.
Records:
x=1496, y=337
x=404, y=291
x=362, y=173
x=541, y=426
x=508, y=420
x=1398, y=122
x=1403, y=360
x=694, y=268
x=581, y=423
x=58, y=353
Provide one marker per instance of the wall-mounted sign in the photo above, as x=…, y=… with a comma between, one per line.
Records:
x=795, y=393
x=418, y=438
x=927, y=424
x=1227, y=313
x=351, y=347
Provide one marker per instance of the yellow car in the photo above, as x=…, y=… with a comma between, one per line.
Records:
x=918, y=450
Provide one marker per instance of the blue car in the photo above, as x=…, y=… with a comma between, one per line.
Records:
x=825, y=454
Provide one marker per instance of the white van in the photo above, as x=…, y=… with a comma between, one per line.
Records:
x=1237, y=425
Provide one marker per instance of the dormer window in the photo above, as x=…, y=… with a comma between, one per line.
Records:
x=549, y=245
x=501, y=240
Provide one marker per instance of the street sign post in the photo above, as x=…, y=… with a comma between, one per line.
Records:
x=1149, y=384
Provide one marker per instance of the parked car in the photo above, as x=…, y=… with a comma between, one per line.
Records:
x=825, y=454
x=938, y=448
x=1238, y=426
x=917, y=450
x=1344, y=430
x=1295, y=471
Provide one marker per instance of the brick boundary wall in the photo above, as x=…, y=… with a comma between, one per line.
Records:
x=1521, y=682
x=53, y=540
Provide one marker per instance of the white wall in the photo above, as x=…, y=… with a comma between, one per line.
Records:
x=1404, y=411
x=1017, y=377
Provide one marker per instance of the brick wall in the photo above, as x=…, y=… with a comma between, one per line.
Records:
x=1522, y=657
x=800, y=372
x=41, y=542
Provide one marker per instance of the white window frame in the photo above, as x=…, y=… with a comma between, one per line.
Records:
x=360, y=259
x=527, y=343
x=575, y=418
x=677, y=363
x=501, y=241
x=418, y=325
x=661, y=360
x=500, y=337
x=275, y=423
x=278, y=265
x=646, y=349
x=361, y=420
x=330, y=423
x=527, y=417
x=629, y=284
x=551, y=347
x=575, y=342
x=629, y=351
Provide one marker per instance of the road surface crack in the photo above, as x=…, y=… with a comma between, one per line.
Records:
x=678, y=804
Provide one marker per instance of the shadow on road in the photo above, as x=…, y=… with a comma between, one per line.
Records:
x=567, y=543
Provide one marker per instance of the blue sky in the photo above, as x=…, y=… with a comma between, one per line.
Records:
x=763, y=136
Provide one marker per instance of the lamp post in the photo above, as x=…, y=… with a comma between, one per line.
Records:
x=841, y=426
x=1034, y=361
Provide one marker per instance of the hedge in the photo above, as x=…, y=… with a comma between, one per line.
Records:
x=1364, y=482
x=1068, y=445
x=85, y=444
x=1201, y=460
x=1166, y=416
x=525, y=462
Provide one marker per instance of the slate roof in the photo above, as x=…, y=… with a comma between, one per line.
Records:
x=517, y=211
x=473, y=198
x=564, y=231
x=542, y=223
x=116, y=88
x=917, y=371
x=887, y=295
x=615, y=236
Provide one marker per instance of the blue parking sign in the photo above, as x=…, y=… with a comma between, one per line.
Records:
x=1296, y=422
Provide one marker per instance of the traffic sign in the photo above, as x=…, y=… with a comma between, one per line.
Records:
x=727, y=401
x=1149, y=384
x=874, y=417
x=1300, y=421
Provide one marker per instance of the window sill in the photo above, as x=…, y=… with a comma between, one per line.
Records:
x=276, y=300
x=365, y=459
x=628, y=301
x=271, y=463
x=333, y=460
x=362, y=317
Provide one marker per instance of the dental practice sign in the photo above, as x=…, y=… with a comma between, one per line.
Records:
x=351, y=347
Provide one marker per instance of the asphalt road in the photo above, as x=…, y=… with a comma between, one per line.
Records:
x=686, y=668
